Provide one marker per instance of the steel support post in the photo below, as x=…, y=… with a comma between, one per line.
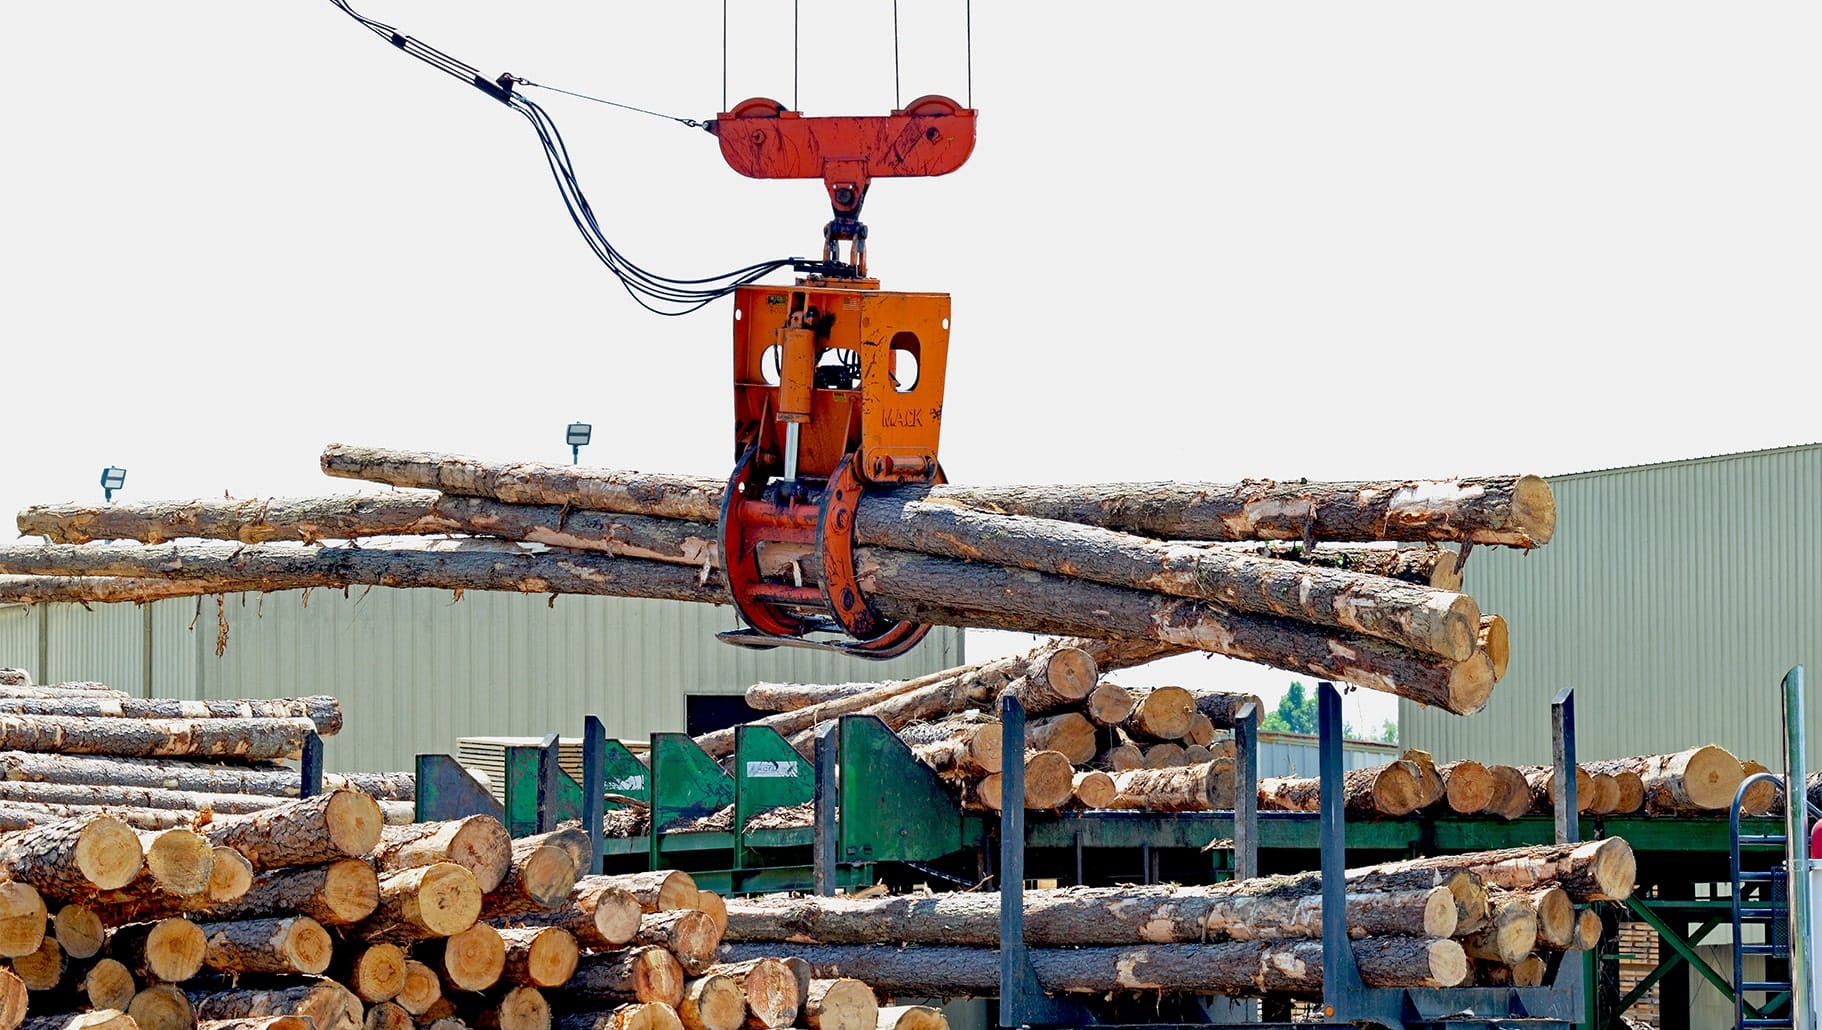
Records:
x=311, y=766
x=594, y=787
x=1246, y=792
x=1562, y=733
x=825, y=847
x=548, y=771
x=1796, y=836
x=1022, y=1001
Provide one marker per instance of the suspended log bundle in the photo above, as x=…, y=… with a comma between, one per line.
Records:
x=1100, y=561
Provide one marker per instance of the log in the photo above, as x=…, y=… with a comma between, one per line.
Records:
x=1069, y=733
x=1201, y=731
x=540, y=877
x=423, y=988
x=1161, y=714
x=912, y=1017
x=1049, y=780
x=1511, y=511
x=1588, y=930
x=478, y=843
x=97, y=1019
x=840, y=1004
x=20, y=815
x=384, y=786
x=633, y=1016
x=70, y=861
x=166, y=773
x=1166, y=756
x=1383, y=790
x=41, y=970
x=166, y=950
x=1553, y=910
x=12, y=1000
x=773, y=992
x=255, y=520
x=341, y=892
x=656, y=891
x=177, y=861
x=688, y=934
x=387, y=1016
x=327, y=1004
x=982, y=794
x=108, y=984
x=1597, y=870
x=375, y=973
x=324, y=711
x=631, y=974
x=1509, y=937
x=520, y=1008
x=789, y=697
x=293, y=944
x=1159, y=914
x=1495, y=641
x=252, y=739
x=1122, y=758
x=1468, y=788
x=713, y=1001
x=258, y=1023
x=473, y=959
x=1430, y=787
x=1056, y=680
x=1542, y=779
x=1512, y=797
x=1108, y=704
x=10, y=677
x=77, y=928
x=1191, y=788
x=1196, y=754
x=1605, y=790
x=1426, y=565
x=1233, y=968
x=963, y=745
x=336, y=824
x=429, y=901
x=1700, y=779
x=1762, y=797
x=540, y=956
x=22, y=922
x=601, y=916
x=162, y=1007
x=1094, y=789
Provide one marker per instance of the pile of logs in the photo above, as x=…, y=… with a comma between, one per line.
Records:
x=1697, y=781
x=1500, y=917
x=315, y=910
x=1307, y=577
x=76, y=749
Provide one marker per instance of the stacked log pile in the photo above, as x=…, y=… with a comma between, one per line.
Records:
x=314, y=909
x=69, y=750
x=1292, y=575
x=1492, y=917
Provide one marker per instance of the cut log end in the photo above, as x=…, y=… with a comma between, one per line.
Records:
x=109, y=852
x=354, y=820
x=912, y=1017
x=162, y=1007
x=109, y=985
x=841, y=1004
x=421, y=989
x=1534, y=509
x=1470, y=684
x=713, y=1002
x=230, y=875
x=1449, y=966
x=378, y=973
x=22, y=923
x=474, y=959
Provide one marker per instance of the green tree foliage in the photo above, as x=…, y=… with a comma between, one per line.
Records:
x=1296, y=713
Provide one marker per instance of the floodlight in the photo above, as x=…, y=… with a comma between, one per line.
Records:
x=577, y=437
x=112, y=478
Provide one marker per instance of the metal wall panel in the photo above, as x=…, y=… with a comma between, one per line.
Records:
x=415, y=670
x=1294, y=754
x=19, y=638
x=104, y=645
x=1673, y=598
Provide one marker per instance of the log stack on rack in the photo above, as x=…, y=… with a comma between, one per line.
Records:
x=314, y=910
x=1307, y=577
x=75, y=749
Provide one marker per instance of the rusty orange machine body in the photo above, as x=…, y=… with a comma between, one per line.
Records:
x=838, y=385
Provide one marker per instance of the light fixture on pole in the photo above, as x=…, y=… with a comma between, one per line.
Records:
x=112, y=479
x=578, y=435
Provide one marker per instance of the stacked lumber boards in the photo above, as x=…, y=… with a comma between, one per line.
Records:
x=75, y=749
x=1294, y=575
x=314, y=909
x=1489, y=917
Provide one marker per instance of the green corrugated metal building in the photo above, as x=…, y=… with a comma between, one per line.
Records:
x=1673, y=598
x=415, y=669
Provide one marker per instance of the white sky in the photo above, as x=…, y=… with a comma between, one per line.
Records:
x=1195, y=241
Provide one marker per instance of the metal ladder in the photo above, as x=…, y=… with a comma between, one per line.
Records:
x=1779, y=887
x=1769, y=907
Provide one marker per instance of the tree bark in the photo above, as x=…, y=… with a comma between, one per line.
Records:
x=540, y=877
x=169, y=774
x=688, y=934
x=327, y=1004
x=166, y=951
x=1232, y=968
x=1701, y=779
x=72, y=860
x=540, y=956
x=965, y=745
x=1384, y=790
x=324, y=711
x=336, y=824
x=253, y=739
x=1597, y=870
x=1192, y=788
x=84, y=795
x=290, y=944
x=1056, y=679
x=478, y=843
x=644, y=974
x=384, y=786
x=258, y=1023
x=1511, y=510
x=657, y=890
x=1427, y=565
x=387, y=1016
x=1158, y=914
x=600, y=916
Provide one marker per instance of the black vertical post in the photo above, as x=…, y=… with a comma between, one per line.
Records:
x=548, y=771
x=312, y=764
x=824, y=798
x=1334, y=843
x=1022, y=1001
x=594, y=787
x=1246, y=792
x=1562, y=732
